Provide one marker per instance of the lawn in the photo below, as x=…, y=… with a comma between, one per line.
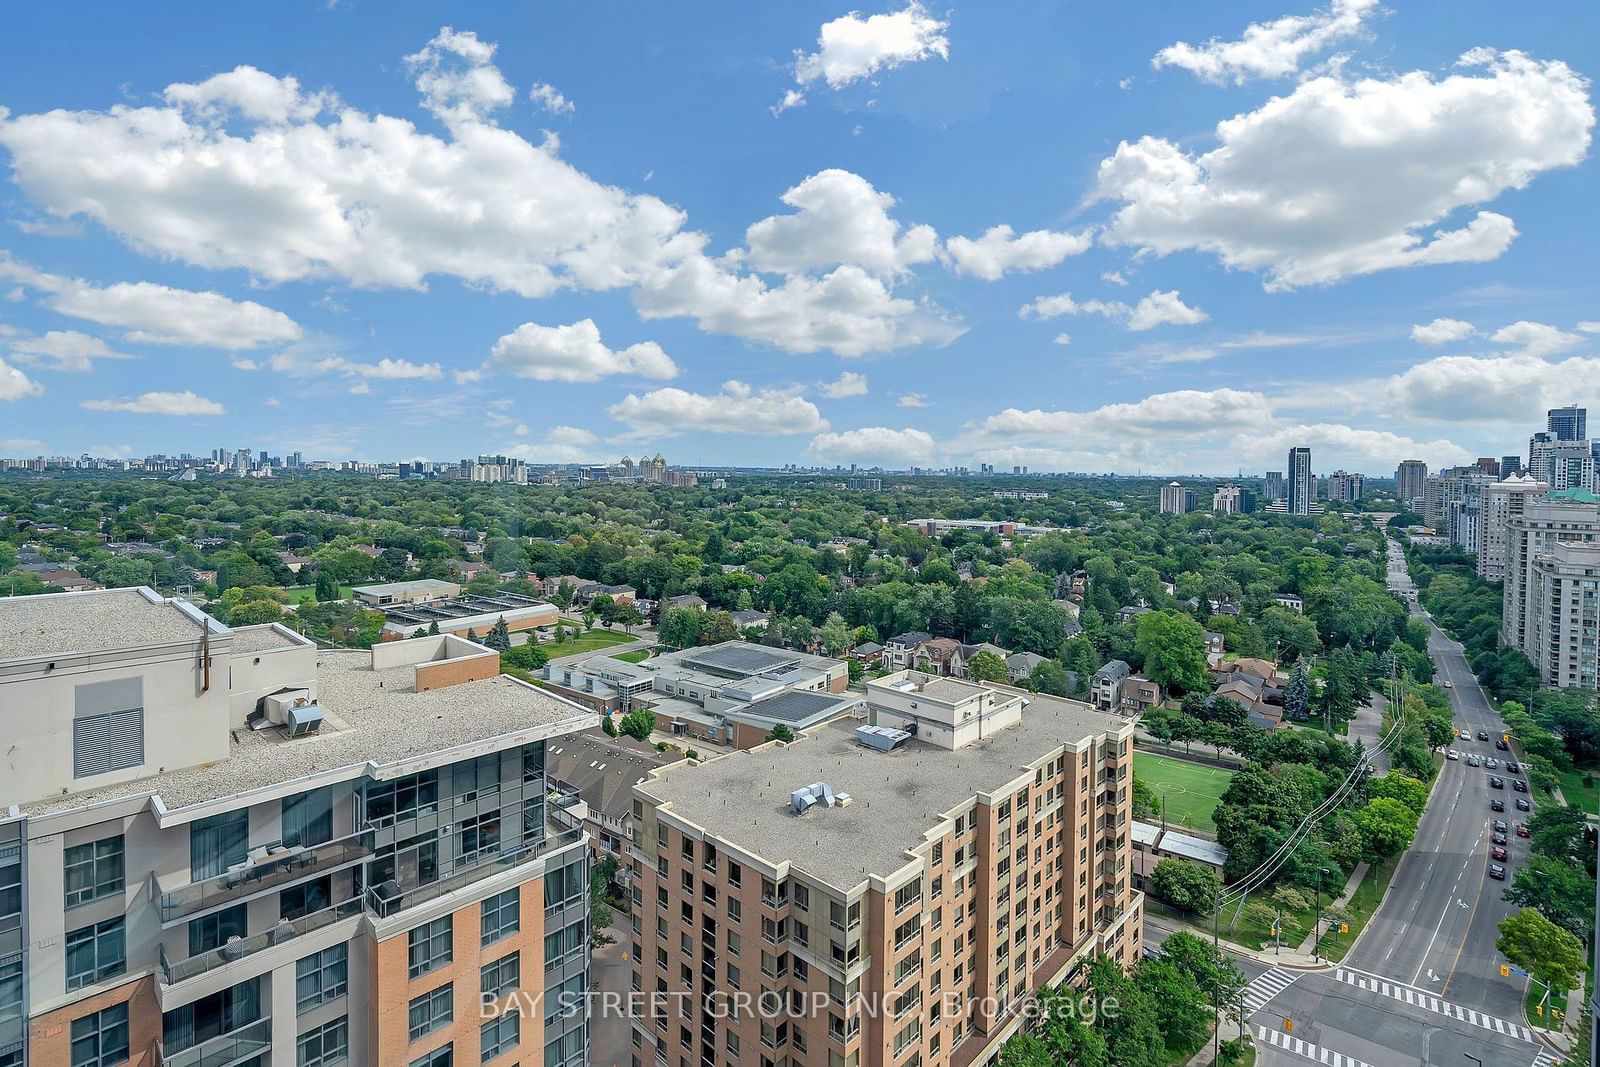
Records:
x=638, y=655
x=1191, y=790
x=1581, y=789
x=588, y=641
x=1551, y=1019
x=299, y=594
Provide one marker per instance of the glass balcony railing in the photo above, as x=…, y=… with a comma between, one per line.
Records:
x=386, y=905
x=271, y=871
x=225, y=1050
x=243, y=947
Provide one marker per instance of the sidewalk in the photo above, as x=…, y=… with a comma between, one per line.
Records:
x=1350, y=885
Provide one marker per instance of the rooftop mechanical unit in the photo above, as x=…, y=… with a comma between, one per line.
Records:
x=807, y=797
x=882, y=738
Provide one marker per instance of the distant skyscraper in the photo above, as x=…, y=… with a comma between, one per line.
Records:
x=1489, y=465
x=1302, y=482
x=1412, y=479
x=1345, y=486
x=1510, y=465
x=1231, y=499
x=1273, y=489
x=1176, y=500
x=1568, y=423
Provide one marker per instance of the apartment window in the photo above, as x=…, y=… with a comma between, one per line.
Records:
x=326, y=1045
x=101, y=1039
x=533, y=761
x=96, y=952
x=217, y=843
x=476, y=777
x=735, y=909
x=443, y=1056
x=308, y=818
x=10, y=896
x=559, y=944
x=499, y=1036
x=733, y=976
x=431, y=1011
x=11, y=990
x=908, y=894
x=211, y=1016
x=802, y=896
x=533, y=818
x=403, y=798
x=735, y=872
x=94, y=870
x=321, y=978
x=108, y=727
x=502, y=976
x=301, y=900
x=412, y=862
x=564, y=885
x=479, y=834
x=213, y=931
x=500, y=916
x=430, y=946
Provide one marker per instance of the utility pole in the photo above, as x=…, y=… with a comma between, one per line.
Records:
x=1316, y=931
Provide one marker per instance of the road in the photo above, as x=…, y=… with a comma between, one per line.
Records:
x=1423, y=984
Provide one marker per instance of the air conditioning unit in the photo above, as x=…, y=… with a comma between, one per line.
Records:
x=278, y=705
x=304, y=719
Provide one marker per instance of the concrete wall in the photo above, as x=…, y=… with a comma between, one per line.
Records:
x=251, y=676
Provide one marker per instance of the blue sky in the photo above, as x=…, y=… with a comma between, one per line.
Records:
x=1168, y=238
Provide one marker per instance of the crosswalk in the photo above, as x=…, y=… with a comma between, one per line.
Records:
x=1315, y=1053
x=1423, y=999
x=1546, y=1058
x=1266, y=986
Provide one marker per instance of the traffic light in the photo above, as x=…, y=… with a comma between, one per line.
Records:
x=1288, y=1026
x=1539, y=1008
x=1505, y=971
x=1344, y=928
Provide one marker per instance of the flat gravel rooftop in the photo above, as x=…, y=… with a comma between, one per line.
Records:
x=57, y=624
x=743, y=797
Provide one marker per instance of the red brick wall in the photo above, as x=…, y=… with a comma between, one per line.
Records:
x=50, y=1035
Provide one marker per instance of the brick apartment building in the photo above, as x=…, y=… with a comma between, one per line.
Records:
x=223, y=847
x=890, y=894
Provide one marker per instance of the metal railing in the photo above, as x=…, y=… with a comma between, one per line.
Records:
x=485, y=867
x=240, y=948
x=276, y=870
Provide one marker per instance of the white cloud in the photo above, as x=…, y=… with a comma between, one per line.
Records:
x=14, y=385
x=1001, y=250
x=299, y=188
x=848, y=384
x=852, y=47
x=245, y=363
x=574, y=353
x=840, y=218
x=361, y=389
x=1061, y=339
x=1268, y=49
x=1341, y=178
x=879, y=445
x=562, y=444
x=1511, y=391
x=1164, y=309
x=1588, y=326
x=1183, y=413
x=1050, y=307
x=1334, y=446
x=1536, y=338
x=1442, y=331
x=1113, y=277
x=308, y=360
x=737, y=409
x=547, y=97
x=521, y=429
x=13, y=445
x=458, y=79
x=158, y=314
x=184, y=403
x=64, y=350
x=912, y=400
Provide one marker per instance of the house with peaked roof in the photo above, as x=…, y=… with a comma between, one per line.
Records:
x=900, y=651
x=1105, y=687
x=1021, y=665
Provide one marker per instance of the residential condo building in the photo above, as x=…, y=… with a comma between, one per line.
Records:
x=1501, y=502
x=1564, y=613
x=224, y=846
x=1345, y=486
x=1232, y=499
x=1535, y=533
x=884, y=893
x=1272, y=486
x=1176, y=500
x=1411, y=482
x=1302, y=483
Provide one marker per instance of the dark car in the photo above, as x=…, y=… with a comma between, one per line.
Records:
x=1500, y=826
x=1498, y=837
x=1500, y=743
x=1483, y=735
x=1523, y=831
x=1498, y=852
x=1496, y=783
x=1497, y=872
x=1523, y=805
x=1497, y=804
x=1519, y=785
x=1513, y=767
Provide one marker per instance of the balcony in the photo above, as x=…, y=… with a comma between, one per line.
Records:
x=241, y=948
x=259, y=875
x=228, y=1049
x=385, y=905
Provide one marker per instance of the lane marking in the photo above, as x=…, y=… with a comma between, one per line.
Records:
x=1266, y=986
x=1422, y=998
x=1315, y=1053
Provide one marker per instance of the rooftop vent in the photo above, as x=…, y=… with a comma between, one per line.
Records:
x=278, y=705
x=882, y=738
x=304, y=719
x=807, y=797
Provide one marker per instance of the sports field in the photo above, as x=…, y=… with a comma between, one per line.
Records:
x=1191, y=790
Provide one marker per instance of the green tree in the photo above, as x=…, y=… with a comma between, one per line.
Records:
x=782, y=733
x=835, y=634
x=1561, y=892
x=1190, y=887
x=608, y=726
x=327, y=586
x=499, y=637
x=1396, y=786
x=680, y=627
x=1297, y=694
x=1173, y=649
x=638, y=724
x=1537, y=945
x=986, y=666
x=1387, y=827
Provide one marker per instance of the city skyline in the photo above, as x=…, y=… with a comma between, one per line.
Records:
x=808, y=254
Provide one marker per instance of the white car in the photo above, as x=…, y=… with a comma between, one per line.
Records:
x=1448, y=684
x=1466, y=735
x=1452, y=754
